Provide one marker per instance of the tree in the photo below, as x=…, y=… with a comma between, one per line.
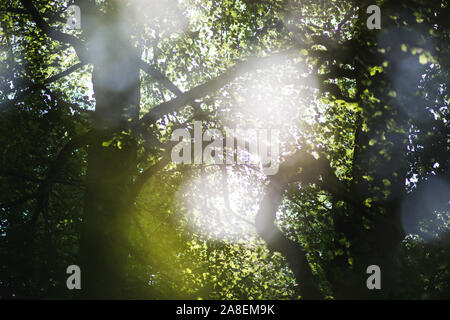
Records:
x=88, y=115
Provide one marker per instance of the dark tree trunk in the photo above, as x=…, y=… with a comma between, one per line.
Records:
x=111, y=165
x=294, y=253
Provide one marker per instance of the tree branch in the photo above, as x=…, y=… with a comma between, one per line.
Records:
x=51, y=17
x=46, y=185
x=149, y=172
x=274, y=238
x=209, y=87
x=54, y=33
x=160, y=77
x=34, y=86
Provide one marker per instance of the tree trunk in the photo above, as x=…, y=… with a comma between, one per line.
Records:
x=294, y=253
x=111, y=166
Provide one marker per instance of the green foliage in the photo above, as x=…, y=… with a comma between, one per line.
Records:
x=372, y=105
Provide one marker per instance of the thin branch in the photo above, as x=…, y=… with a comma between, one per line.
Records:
x=160, y=77
x=52, y=17
x=35, y=86
x=149, y=172
x=54, y=33
x=64, y=73
x=46, y=185
x=347, y=17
